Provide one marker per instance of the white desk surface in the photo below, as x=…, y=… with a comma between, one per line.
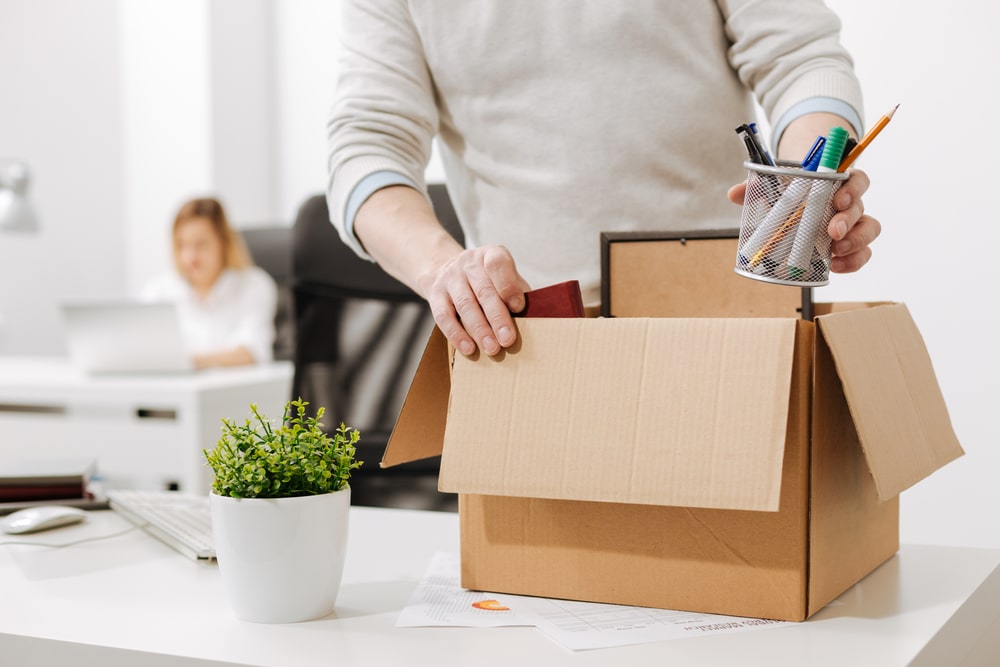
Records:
x=130, y=600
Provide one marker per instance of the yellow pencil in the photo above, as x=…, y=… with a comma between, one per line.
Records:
x=865, y=140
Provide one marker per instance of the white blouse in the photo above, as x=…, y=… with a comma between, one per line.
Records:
x=239, y=311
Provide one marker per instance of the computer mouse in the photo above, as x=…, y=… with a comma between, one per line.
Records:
x=43, y=517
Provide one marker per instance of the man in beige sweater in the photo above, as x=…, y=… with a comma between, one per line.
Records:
x=558, y=120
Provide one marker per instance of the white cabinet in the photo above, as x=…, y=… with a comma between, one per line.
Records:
x=144, y=431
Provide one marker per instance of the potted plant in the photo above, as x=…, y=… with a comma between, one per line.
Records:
x=280, y=501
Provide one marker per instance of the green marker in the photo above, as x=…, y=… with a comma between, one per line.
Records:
x=833, y=150
x=812, y=217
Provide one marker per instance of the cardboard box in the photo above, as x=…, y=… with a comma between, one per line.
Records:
x=743, y=466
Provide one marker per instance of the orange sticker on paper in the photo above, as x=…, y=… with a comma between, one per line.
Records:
x=490, y=605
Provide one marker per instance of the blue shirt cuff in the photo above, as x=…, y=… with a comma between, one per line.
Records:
x=365, y=188
x=817, y=105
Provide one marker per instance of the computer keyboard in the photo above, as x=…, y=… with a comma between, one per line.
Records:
x=180, y=520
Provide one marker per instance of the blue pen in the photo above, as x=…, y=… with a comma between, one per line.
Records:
x=811, y=161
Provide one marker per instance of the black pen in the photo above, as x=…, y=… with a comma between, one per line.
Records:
x=848, y=147
x=772, y=188
x=753, y=152
x=761, y=148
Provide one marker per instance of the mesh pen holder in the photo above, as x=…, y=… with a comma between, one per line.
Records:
x=783, y=230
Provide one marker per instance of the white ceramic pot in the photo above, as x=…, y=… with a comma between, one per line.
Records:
x=281, y=559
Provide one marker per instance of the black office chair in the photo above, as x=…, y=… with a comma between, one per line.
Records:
x=359, y=334
x=271, y=250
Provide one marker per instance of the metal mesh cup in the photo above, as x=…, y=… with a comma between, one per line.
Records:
x=783, y=237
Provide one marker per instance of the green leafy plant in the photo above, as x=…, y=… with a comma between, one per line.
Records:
x=297, y=458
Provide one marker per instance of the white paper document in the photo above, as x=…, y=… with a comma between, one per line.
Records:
x=441, y=601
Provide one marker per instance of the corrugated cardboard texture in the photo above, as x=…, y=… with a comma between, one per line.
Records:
x=419, y=429
x=667, y=278
x=851, y=531
x=641, y=414
x=721, y=561
x=687, y=412
x=893, y=395
x=712, y=561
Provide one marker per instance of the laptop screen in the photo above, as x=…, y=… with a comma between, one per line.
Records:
x=125, y=337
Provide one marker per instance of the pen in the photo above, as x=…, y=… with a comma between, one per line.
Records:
x=867, y=139
x=811, y=161
x=779, y=235
x=771, y=186
x=816, y=201
x=755, y=135
x=785, y=206
x=848, y=147
x=743, y=132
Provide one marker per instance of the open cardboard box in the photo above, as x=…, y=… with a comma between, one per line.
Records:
x=742, y=466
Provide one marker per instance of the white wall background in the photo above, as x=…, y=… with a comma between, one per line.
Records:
x=124, y=109
x=932, y=190
x=60, y=82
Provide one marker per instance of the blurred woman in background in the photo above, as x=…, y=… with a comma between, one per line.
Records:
x=225, y=304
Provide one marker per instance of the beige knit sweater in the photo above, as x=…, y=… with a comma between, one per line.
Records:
x=559, y=119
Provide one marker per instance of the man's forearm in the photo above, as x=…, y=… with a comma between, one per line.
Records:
x=800, y=134
x=398, y=228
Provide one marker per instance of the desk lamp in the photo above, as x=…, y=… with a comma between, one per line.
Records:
x=16, y=212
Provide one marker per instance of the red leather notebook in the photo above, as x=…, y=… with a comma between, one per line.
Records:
x=559, y=300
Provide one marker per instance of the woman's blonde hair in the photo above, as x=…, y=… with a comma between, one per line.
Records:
x=234, y=250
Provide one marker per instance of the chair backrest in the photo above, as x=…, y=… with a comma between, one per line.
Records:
x=271, y=250
x=359, y=332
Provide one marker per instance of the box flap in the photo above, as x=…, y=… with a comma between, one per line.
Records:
x=892, y=393
x=686, y=412
x=419, y=430
x=825, y=308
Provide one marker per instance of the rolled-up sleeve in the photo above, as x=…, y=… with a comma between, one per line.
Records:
x=788, y=52
x=384, y=116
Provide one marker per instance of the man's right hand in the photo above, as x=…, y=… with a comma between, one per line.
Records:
x=472, y=296
x=471, y=292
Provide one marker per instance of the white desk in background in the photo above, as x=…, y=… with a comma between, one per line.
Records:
x=131, y=600
x=145, y=431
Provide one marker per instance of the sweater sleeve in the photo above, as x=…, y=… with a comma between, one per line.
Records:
x=384, y=115
x=788, y=52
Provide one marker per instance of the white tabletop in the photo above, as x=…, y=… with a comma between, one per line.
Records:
x=101, y=602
